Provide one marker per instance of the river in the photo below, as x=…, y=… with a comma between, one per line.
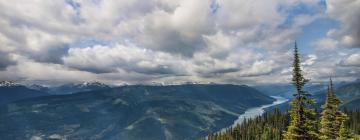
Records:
x=257, y=111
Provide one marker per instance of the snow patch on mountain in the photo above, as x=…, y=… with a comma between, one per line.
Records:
x=92, y=84
x=8, y=84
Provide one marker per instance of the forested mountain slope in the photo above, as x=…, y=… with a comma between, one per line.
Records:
x=130, y=112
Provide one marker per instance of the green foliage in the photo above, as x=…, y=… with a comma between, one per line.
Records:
x=331, y=118
x=303, y=123
x=344, y=133
x=268, y=126
x=353, y=122
x=271, y=125
x=296, y=128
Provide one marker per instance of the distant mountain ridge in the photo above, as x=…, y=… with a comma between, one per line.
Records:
x=348, y=93
x=74, y=88
x=8, y=84
x=130, y=112
x=11, y=91
x=287, y=90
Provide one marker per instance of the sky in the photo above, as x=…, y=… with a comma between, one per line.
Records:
x=167, y=41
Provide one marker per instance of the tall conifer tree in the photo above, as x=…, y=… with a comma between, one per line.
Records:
x=329, y=127
x=302, y=118
x=332, y=119
x=344, y=133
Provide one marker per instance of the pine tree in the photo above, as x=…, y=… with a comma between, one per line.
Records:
x=302, y=118
x=329, y=119
x=332, y=118
x=344, y=133
x=311, y=122
x=270, y=125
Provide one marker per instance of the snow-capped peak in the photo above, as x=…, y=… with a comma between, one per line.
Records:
x=8, y=84
x=94, y=83
x=37, y=87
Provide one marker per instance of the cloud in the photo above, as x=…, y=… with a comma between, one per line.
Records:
x=177, y=31
x=347, y=13
x=5, y=60
x=29, y=70
x=310, y=60
x=38, y=29
x=248, y=14
x=107, y=59
x=352, y=60
x=259, y=68
x=164, y=40
x=325, y=44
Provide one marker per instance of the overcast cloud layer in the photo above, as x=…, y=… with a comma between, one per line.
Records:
x=137, y=41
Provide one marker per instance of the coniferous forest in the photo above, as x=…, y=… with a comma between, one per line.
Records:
x=271, y=126
x=302, y=121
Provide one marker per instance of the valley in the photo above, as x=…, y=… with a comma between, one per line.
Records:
x=99, y=111
x=130, y=112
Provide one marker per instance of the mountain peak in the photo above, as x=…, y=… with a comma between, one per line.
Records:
x=38, y=87
x=8, y=84
x=93, y=83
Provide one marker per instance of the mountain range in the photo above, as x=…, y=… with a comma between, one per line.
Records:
x=93, y=110
x=134, y=112
x=347, y=92
x=287, y=90
x=10, y=91
x=74, y=88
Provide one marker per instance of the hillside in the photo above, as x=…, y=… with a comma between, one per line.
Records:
x=271, y=125
x=74, y=88
x=10, y=92
x=287, y=90
x=130, y=112
x=348, y=93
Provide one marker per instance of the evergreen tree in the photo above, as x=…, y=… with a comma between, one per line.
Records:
x=311, y=123
x=329, y=114
x=332, y=119
x=270, y=125
x=344, y=133
x=301, y=121
x=303, y=124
